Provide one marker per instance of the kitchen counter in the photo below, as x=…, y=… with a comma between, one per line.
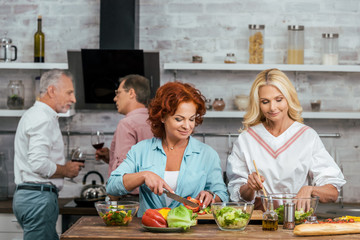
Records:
x=65, y=207
x=92, y=227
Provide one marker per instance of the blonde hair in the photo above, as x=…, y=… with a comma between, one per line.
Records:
x=271, y=77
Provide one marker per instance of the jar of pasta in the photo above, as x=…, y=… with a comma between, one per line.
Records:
x=256, y=43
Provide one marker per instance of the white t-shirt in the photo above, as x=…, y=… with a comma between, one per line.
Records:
x=288, y=162
x=171, y=178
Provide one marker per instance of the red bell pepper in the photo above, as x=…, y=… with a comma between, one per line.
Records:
x=152, y=218
x=194, y=209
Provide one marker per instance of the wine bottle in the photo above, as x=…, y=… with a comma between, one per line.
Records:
x=39, y=43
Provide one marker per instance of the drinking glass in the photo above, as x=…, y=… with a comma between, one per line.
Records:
x=97, y=139
x=78, y=155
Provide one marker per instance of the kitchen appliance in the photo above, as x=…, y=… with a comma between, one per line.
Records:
x=91, y=193
x=102, y=70
x=6, y=50
x=119, y=24
x=151, y=70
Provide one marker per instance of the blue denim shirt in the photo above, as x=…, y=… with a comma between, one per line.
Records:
x=200, y=170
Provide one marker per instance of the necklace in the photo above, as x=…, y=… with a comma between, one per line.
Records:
x=172, y=148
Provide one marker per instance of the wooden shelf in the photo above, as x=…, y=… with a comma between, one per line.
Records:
x=23, y=65
x=306, y=115
x=260, y=67
x=19, y=113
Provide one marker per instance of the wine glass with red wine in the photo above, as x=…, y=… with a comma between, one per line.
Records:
x=78, y=155
x=97, y=139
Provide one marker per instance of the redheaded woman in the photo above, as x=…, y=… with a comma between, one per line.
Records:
x=172, y=159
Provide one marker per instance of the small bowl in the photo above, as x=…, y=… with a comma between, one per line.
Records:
x=226, y=219
x=117, y=213
x=304, y=207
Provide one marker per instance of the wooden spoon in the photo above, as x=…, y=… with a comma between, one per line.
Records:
x=259, y=178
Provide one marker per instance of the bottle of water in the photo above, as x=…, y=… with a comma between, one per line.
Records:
x=3, y=178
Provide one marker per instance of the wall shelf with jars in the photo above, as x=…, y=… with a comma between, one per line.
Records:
x=261, y=67
x=16, y=106
x=305, y=115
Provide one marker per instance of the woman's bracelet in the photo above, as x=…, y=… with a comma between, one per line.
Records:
x=214, y=195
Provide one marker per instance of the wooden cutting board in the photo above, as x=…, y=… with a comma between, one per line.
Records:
x=257, y=215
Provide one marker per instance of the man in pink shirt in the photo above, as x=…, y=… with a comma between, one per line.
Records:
x=131, y=99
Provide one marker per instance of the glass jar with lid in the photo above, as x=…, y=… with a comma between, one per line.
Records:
x=208, y=105
x=295, y=51
x=230, y=58
x=218, y=104
x=15, y=98
x=330, y=48
x=256, y=43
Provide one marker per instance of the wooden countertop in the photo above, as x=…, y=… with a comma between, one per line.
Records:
x=92, y=227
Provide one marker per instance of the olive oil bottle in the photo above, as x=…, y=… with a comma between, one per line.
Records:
x=270, y=218
x=39, y=43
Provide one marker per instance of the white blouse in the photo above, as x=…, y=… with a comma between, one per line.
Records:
x=288, y=162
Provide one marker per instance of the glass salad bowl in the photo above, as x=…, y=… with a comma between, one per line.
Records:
x=117, y=213
x=232, y=216
x=304, y=207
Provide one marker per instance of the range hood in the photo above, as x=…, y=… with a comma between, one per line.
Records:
x=119, y=24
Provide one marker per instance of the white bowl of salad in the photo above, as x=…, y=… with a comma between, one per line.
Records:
x=232, y=216
x=304, y=207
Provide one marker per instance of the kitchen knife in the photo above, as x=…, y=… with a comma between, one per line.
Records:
x=180, y=199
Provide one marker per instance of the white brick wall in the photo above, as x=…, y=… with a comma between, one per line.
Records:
x=210, y=28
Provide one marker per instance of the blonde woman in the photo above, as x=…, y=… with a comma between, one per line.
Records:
x=289, y=155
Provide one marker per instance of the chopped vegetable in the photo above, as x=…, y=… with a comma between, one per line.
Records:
x=116, y=218
x=181, y=217
x=194, y=209
x=229, y=217
x=206, y=210
x=338, y=220
x=356, y=219
x=152, y=218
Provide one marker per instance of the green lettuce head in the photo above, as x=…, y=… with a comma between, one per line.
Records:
x=181, y=217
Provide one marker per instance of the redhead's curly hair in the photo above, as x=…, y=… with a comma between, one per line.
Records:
x=167, y=99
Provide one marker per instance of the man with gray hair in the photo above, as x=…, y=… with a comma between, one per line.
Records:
x=39, y=163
